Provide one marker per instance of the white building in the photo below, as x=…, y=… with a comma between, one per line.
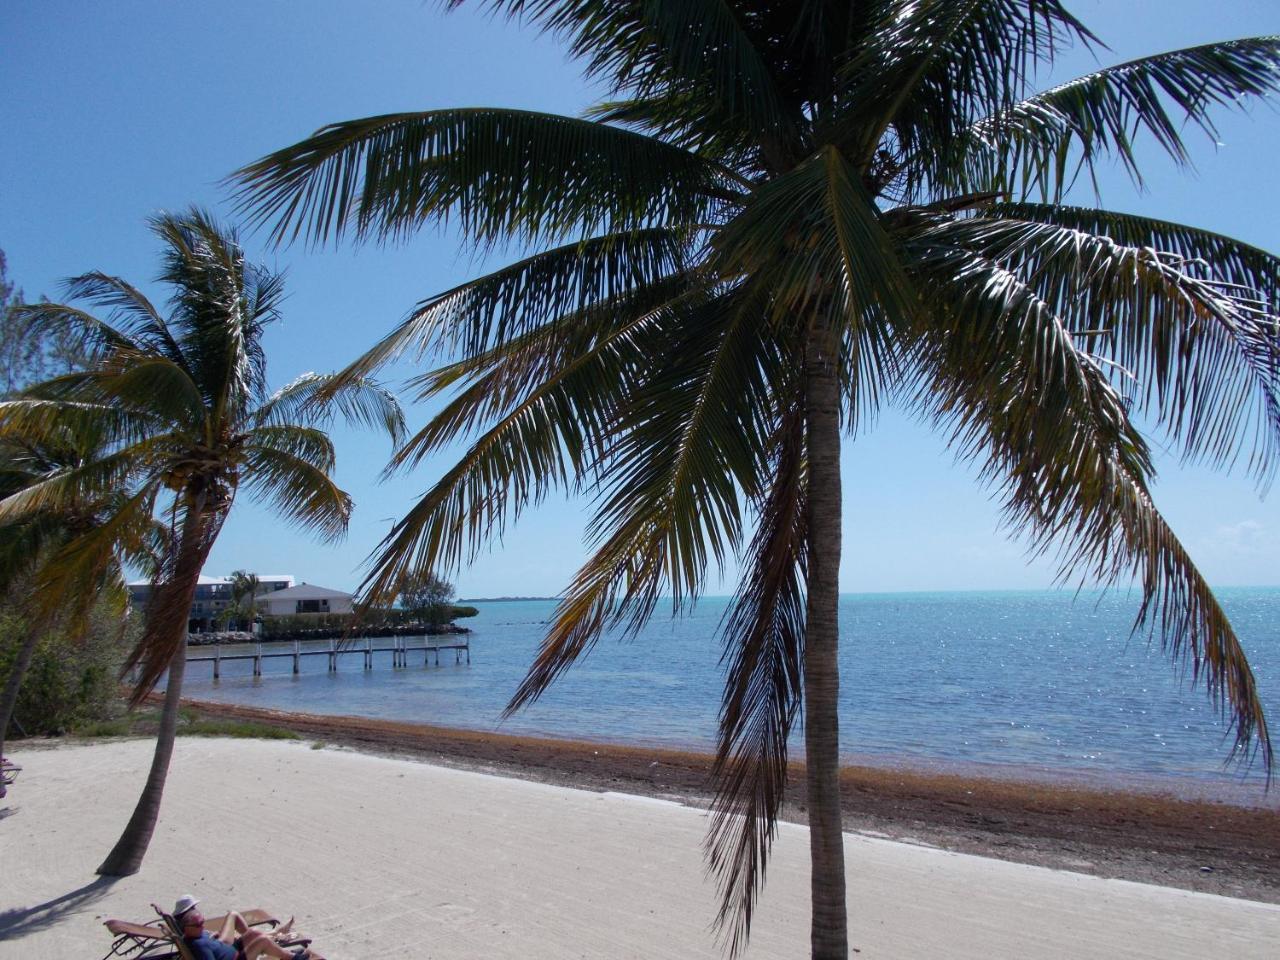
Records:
x=304, y=599
x=212, y=597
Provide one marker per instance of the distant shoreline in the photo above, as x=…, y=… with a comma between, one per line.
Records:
x=501, y=599
x=1088, y=590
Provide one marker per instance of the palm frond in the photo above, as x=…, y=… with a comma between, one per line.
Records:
x=308, y=444
x=813, y=231
x=131, y=311
x=502, y=306
x=93, y=337
x=653, y=46
x=878, y=295
x=71, y=575
x=301, y=492
x=220, y=336
x=503, y=174
x=686, y=120
x=147, y=544
x=147, y=386
x=1205, y=357
x=542, y=439
x=926, y=69
x=143, y=387
x=813, y=242
x=1255, y=272
x=1039, y=144
x=1050, y=429
x=315, y=398
x=21, y=543
x=764, y=639
x=689, y=444
x=93, y=481
x=595, y=349
x=73, y=426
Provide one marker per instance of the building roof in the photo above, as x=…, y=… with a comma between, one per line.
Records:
x=214, y=581
x=305, y=591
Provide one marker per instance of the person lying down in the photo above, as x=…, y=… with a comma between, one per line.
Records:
x=235, y=939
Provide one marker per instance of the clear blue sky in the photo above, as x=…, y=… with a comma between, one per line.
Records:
x=114, y=111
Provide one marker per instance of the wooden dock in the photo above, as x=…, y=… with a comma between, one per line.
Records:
x=399, y=650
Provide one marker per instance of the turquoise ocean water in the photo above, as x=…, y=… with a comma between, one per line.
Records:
x=1011, y=682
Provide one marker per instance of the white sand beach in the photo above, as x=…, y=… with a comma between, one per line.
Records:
x=383, y=857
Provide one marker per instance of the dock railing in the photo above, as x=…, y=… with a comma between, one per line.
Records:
x=399, y=650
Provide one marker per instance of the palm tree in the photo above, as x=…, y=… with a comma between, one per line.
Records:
x=788, y=215
x=244, y=593
x=184, y=416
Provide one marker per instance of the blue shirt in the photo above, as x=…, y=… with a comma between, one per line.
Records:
x=205, y=947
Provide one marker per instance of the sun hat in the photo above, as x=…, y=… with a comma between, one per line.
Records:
x=185, y=903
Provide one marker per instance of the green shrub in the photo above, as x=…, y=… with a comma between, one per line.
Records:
x=235, y=728
x=70, y=682
x=115, y=727
x=146, y=721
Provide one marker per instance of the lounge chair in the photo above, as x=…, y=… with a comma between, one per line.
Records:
x=8, y=773
x=162, y=939
x=254, y=918
x=140, y=940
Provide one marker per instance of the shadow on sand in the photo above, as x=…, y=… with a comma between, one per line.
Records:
x=21, y=921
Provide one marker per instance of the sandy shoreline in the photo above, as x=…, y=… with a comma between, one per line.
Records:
x=1105, y=832
x=382, y=856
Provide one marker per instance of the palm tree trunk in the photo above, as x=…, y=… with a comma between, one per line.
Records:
x=125, y=858
x=173, y=598
x=9, y=699
x=829, y=938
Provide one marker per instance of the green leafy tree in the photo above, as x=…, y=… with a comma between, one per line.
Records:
x=71, y=676
x=788, y=215
x=427, y=598
x=245, y=587
x=28, y=356
x=34, y=553
x=181, y=407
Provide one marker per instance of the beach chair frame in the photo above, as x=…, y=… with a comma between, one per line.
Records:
x=254, y=918
x=140, y=941
x=162, y=939
x=8, y=773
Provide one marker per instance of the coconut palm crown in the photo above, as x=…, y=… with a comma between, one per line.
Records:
x=180, y=418
x=785, y=216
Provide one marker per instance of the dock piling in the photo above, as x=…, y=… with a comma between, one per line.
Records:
x=399, y=650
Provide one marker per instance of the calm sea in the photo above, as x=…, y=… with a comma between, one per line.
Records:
x=1009, y=681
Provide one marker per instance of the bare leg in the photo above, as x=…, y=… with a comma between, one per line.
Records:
x=226, y=929
x=232, y=926
x=257, y=944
